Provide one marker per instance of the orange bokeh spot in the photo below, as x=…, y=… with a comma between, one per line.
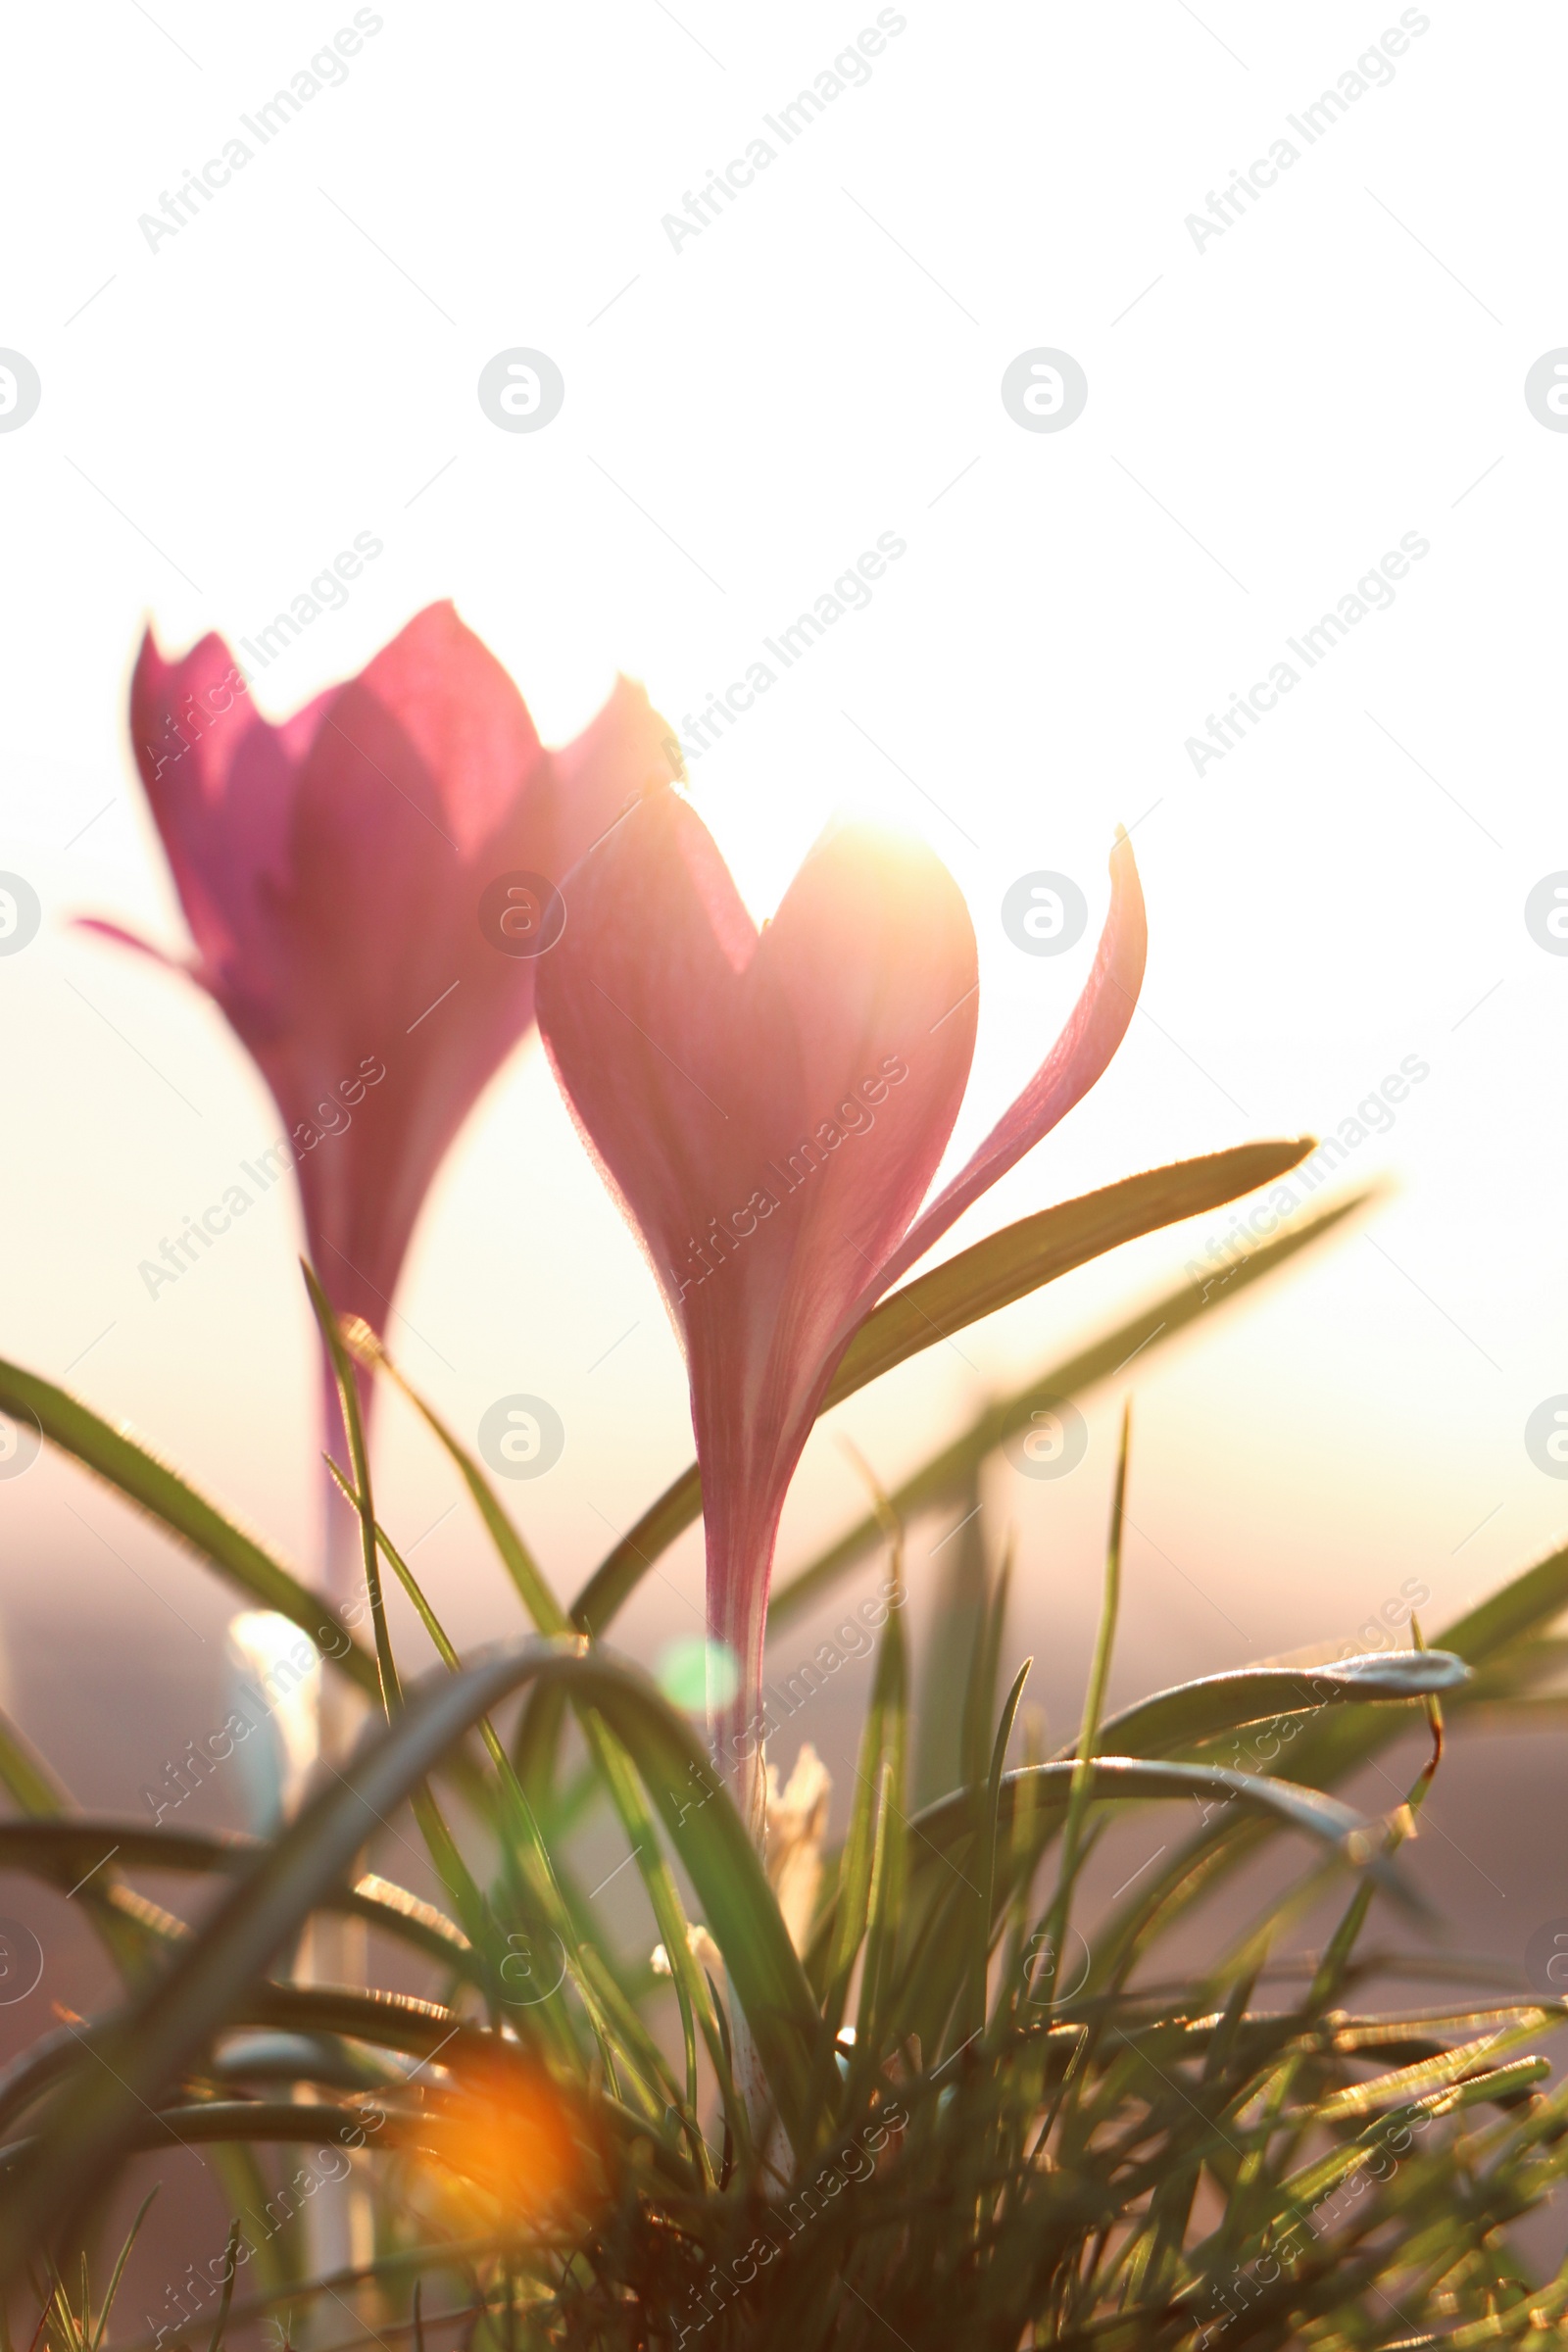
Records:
x=514, y=2144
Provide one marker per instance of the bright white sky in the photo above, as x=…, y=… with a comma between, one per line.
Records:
x=1268, y=414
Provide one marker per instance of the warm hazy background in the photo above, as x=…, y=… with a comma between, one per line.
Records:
x=1265, y=417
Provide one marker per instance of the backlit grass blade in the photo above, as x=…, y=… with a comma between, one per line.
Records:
x=26, y=1774
x=1521, y=1607
x=1331, y=1746
x=1055, y=1926
x=452, y=1867
x=1007, y=1265
x=127, y=1466
x=296, y=2123
x=944, y=1829
x=949, y=1655
x=987, y=1873
x=132, y=1931
x=119, y=2272
x=616, y=1775
x=99, y=2111
x=363, y=1507
x=547, y=1615
x=61, y=1851
x=1435, y=2073
x=1217, y=1703
x=620, y=1571
x=524, y=1852
x=543, y=1711
x=946, y=1476
x=978, y=1725
x=850, y=1907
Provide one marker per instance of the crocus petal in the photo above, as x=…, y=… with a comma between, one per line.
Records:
x=122, y=938
x=425, y=800
x=460, y=716
x=769, y=1112
x=220, y=782
x=1080, y=1056
x=336, y=871
x=626, y=741
x=331, y=869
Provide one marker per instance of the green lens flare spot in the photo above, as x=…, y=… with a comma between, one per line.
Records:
x=695, y=1675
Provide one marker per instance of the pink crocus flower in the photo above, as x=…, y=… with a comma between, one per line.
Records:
x=770, y=1110
x=345, y=875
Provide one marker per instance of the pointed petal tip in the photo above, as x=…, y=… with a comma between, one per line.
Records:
x=1122, y=865
x=436, y=628
x=1124, y=943
x=1075, y=1062
x=150, y=651
x=440, y=614
x=119, y=937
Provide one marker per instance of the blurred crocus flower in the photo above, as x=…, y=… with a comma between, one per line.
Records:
x=770, y=1110
x=268, y=1690
x=370, y=885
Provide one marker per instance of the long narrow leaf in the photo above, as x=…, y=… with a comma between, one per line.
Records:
x=946, y=1477
x=99, y=2112
x=943, y=1827
x=547, y=1615
x=1334, y=1744
x=348, y=1398
x=61, y=1851
x=900, y=1327
x=615, y=1770
x=129, y=1467
x=1022, y=1257
x=1224, y=1703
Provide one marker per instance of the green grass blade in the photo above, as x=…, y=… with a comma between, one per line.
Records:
x=1527, y=1602
x=619, y=1780
x=1331, y=1746
x=946, y=1476
x=26, y=1774
x=621, y=1570
x=226, y=2300
x=61, y=1851
x=986, y=1908
x=847, y=1916
x=1054, y=1929
x=1217, y=1703
x=944, y=1828
x=1424, y=2075
x=348, y=1398
x=119, y=2270
x=164, y=1495
x=890, y=1868
x=1007, y=1265
x=445, y=1852
x=450, y=1865
x=959, y=1610
x=520, y=1565
x=100, y=2108
x=132, y=1931
x=978, y=1726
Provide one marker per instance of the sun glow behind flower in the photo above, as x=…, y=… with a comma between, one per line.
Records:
x=769, y=826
